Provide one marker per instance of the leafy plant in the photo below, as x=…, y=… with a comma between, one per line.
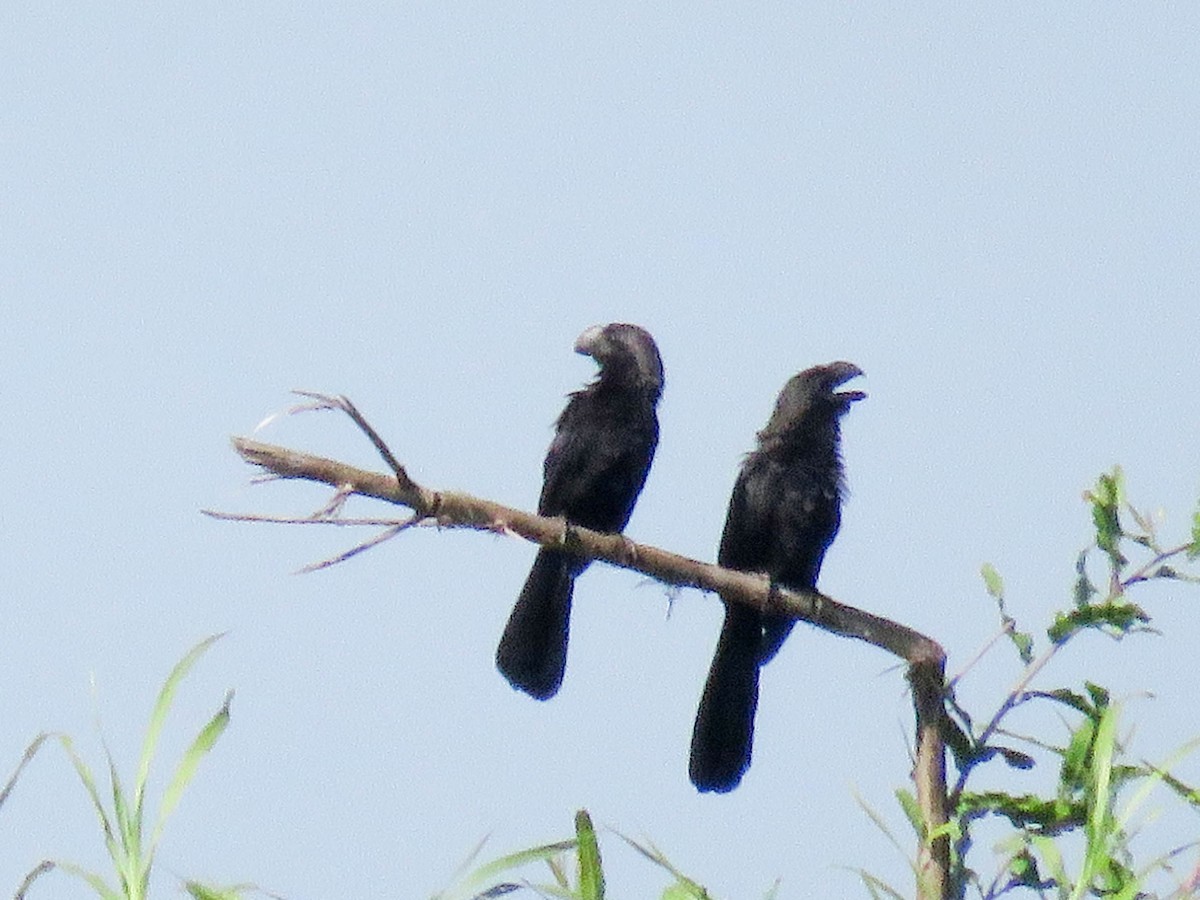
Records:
x=130, y=845
x=1093, y=770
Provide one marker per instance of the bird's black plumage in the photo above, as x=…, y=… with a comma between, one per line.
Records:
x=783, y=515
x=594, y=470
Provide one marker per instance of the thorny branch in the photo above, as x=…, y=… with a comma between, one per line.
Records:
x=452, y=509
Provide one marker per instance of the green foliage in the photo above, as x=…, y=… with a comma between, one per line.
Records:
x=1194, y=549
x=992, y=581
x=1093, y=773
x=994, y=585
x=471, y=886
x=123, y=825
x=683, y=888
x=1106, y=499
x=1115, y=618
x=486, y=882
x=591, y=874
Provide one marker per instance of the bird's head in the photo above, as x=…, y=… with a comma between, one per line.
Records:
x=625, y=353
x=813, y=391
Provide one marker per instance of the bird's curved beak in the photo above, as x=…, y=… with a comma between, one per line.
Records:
x=841, y=372
x=587, y=342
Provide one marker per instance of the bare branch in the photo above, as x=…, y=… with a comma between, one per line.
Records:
x=454, y=509
x=283, y=463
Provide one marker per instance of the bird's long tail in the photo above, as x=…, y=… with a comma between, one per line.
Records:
x=724, y=731
x=533, y=649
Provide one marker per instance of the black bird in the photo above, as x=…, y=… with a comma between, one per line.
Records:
x=783, y=515
x=594, y=471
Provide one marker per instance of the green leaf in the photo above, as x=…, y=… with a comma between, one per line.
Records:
x=994, y=585
x=1117, y=619
x=1194, y=550
x=1051, y=858
x=1024, y=644
x=1106, y=499
x=878, y=889
x=129, y=827
x=1024, y=871
x=1068, y=697
x=554, y=864
x=677, y=891
x=158, y=716
x=591, y=875
x=469, y=886
x=186, y=769
x=94, y=881
x=1185, y=791
x=1024, y=810
x=89, y=784
x=1100, y=827
x=912, y=811
x=200, y=891
x=992, y=580
x=1084, y=589
x=1076, y=764
x=659, y=859
x=683, y=890
x=1100, y=695
x=122, y=826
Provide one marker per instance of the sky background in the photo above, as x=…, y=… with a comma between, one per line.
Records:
x=995, y=212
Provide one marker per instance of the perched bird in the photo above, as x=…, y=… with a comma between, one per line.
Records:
x=783, y=515
x=594, y=470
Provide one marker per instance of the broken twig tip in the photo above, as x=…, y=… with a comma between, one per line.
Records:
x=265, y=422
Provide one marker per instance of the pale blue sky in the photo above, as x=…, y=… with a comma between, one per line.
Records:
x=994, y=211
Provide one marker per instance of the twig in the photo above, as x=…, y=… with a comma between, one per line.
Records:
x=385, y=535
x=342, y=402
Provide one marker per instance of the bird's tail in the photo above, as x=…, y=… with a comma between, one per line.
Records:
x=533, y=649
x=724, y=731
